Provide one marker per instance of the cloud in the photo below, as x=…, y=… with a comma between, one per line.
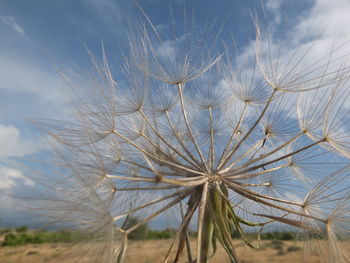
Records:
x=12, y=145
x=315, y=37
x=275, y=6
x=11, y=22
x=13, y=184
x=21, y=75
x=326, y=22
x=331, y=18
x=10, y=177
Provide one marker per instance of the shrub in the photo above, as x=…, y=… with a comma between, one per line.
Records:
x=39, y=237
x=154, y=234
x=293, y=248
x=140, y=233
x=5, y=231
x=21, y=229
x=10, y=240
x=285, y=235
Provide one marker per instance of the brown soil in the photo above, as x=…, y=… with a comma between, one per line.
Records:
x=153, y=251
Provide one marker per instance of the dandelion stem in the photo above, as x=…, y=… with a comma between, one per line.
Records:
x=201, y=211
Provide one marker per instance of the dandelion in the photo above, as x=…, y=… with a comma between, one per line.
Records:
x=230, y=145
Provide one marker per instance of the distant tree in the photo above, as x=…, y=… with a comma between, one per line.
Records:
x=140, y=233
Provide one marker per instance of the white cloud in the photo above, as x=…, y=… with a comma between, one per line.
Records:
x=329, y=20
x=275, y=6
x=331, y=17
x=19, y=74
x=12, y=145
x=315, y=39
x=11, y=22
x=10, y=177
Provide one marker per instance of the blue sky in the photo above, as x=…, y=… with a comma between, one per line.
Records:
x=39, y=34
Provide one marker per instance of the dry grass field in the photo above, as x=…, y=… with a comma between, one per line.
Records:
x=153, y=251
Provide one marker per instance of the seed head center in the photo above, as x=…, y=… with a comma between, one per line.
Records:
x=214, y=178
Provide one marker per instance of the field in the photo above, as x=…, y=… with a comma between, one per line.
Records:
x=153, y=251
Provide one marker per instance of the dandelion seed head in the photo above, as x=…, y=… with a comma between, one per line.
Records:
x=232, y=147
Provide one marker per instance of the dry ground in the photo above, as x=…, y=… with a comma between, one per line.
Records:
x=153, y=251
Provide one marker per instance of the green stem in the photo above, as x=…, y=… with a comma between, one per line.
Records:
x=207, y=234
